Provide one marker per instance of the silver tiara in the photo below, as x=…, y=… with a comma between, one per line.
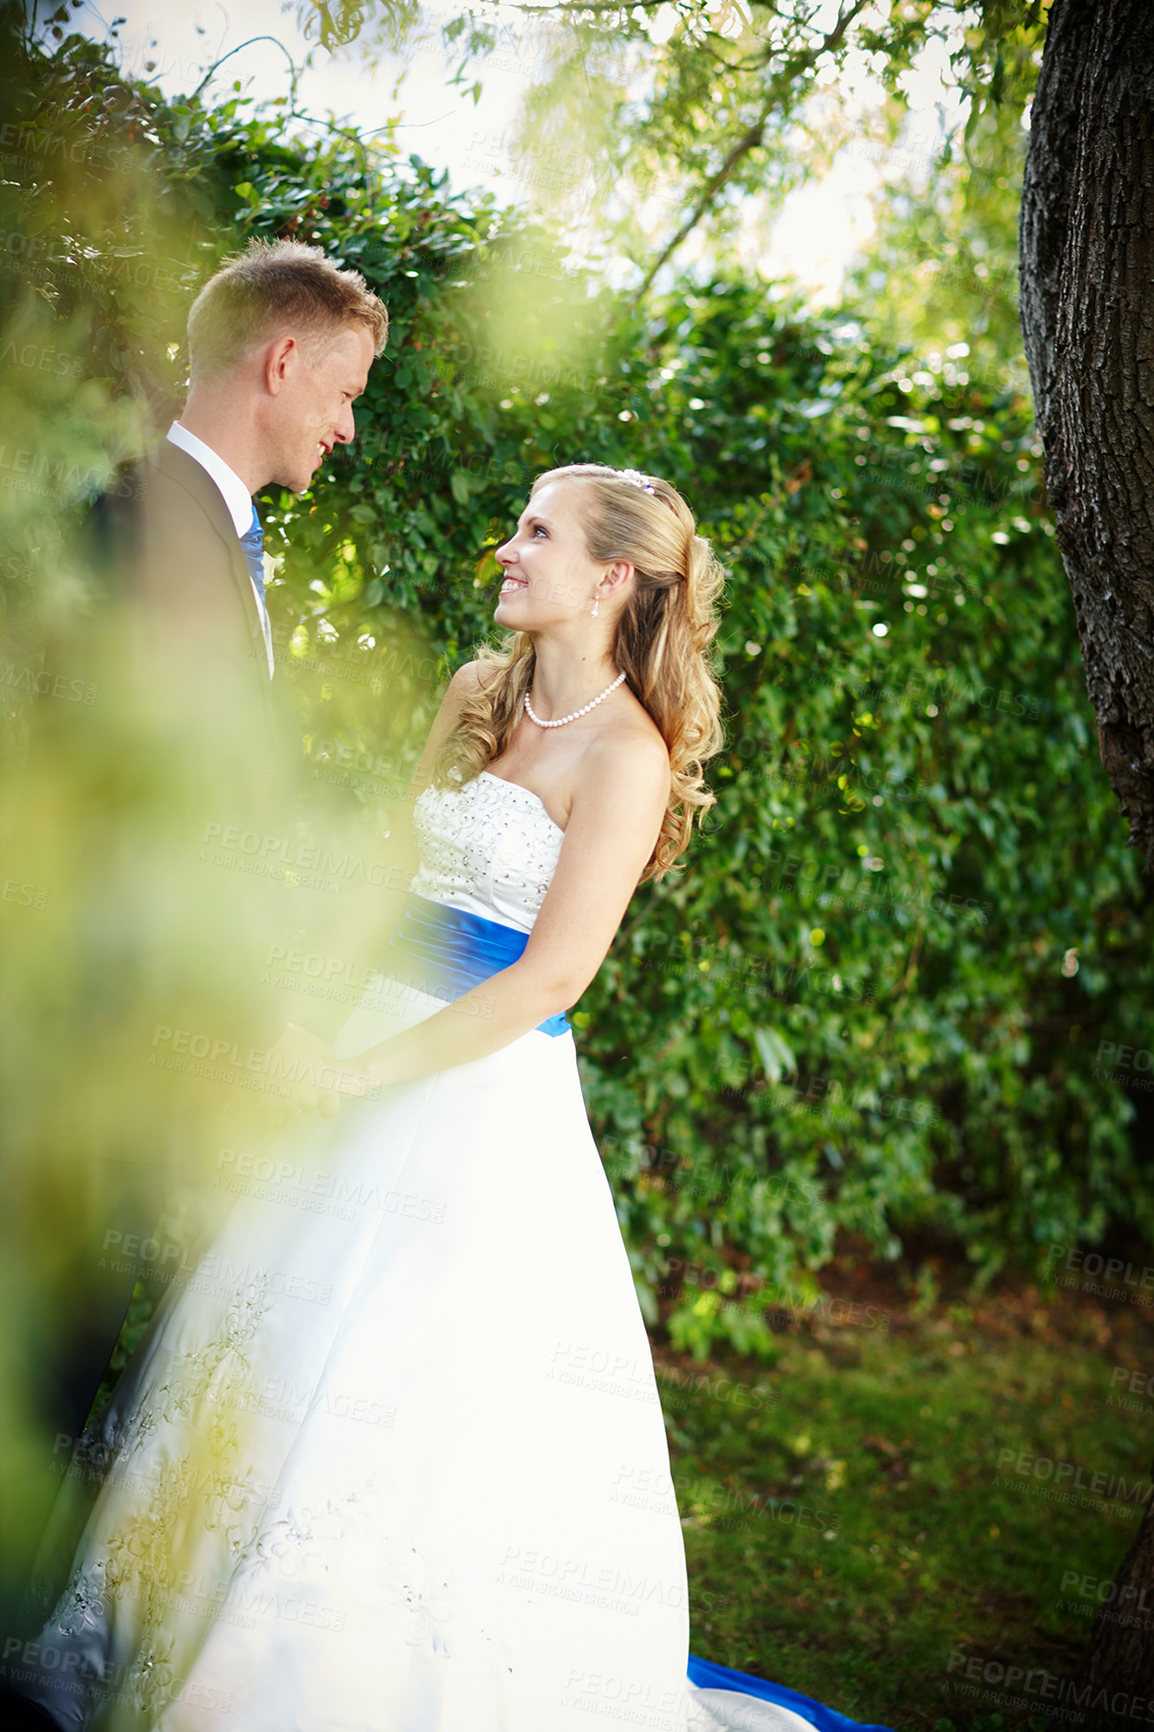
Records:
x=636, y=477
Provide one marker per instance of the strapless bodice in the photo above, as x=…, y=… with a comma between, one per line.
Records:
x=488, y=846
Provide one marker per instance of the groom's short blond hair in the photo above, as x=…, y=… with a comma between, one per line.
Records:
x=276, y=286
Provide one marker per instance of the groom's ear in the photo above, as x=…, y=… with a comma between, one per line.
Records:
x=280, y=360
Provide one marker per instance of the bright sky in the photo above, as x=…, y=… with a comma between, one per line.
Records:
x=814, y=239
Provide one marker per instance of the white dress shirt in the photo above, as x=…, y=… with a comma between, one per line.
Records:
x=240, y=508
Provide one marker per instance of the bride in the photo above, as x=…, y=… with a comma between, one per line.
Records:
x=392, y=1459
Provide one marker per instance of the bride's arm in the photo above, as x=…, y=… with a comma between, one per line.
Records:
x=463, y=683
x=614, y=822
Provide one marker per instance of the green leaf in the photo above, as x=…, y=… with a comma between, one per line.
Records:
x=775, y=1053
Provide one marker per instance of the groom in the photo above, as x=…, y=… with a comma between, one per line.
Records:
x=280, y=342
x=280, y=345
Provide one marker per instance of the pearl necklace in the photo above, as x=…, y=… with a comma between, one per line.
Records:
x=584, y=710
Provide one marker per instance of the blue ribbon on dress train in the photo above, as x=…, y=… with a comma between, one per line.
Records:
x=455, y=951
x=708, y=1676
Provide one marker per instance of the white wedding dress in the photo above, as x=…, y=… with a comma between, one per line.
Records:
x=392, y=1458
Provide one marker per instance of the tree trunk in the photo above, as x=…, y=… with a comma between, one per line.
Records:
x=1087, y=302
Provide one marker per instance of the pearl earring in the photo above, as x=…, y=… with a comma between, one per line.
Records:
x=596, y=608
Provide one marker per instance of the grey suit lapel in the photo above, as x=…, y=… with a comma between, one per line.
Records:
x=202, y=489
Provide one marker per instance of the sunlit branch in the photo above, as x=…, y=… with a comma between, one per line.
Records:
x=752, y=138
x=213, y=69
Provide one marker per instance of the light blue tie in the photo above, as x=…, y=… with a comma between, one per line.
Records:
x=253, y=543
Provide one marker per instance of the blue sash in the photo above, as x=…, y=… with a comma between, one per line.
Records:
x=455, y=951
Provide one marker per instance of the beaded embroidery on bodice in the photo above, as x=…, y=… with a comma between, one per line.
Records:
x=489, y=847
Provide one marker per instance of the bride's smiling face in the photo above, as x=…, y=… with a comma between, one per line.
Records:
x=549, y=575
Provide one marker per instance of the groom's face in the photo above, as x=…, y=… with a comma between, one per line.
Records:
x=319, y=382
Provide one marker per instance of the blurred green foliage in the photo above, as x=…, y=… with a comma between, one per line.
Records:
x=643, y=125
x=872, y=1004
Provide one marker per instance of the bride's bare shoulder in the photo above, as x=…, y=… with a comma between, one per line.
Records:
x=628, y=755
x=471, y=677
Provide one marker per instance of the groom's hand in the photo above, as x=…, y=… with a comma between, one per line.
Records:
x=310, y=1068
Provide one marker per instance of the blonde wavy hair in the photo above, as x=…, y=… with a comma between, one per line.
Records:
x=660, y=645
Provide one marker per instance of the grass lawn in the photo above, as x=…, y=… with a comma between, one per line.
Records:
x=890, y=1518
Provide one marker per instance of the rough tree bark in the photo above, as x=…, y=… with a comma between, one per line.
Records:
x=1087, y=305
x=1087, y=302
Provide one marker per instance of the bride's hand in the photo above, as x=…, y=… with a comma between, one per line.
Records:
x=312, y=1068
x=358, y=1075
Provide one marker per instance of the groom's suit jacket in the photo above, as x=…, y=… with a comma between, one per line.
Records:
x=166, y=544
x=166, y=548
x=198, y=745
